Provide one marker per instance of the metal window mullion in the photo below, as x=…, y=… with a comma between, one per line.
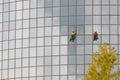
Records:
x=29, y=44
x=36, y=36
x=51, y=39
x=2, y=41
x=8, y=41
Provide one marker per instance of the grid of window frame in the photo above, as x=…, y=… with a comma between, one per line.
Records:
x=34, y=42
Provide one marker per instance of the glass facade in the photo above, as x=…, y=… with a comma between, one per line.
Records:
x=34, y=37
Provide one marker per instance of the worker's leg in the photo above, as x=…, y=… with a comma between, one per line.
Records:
x=95, y=37
x=73, y=38
x=70, y=38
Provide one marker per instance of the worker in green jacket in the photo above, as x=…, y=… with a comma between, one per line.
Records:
x=73, y=36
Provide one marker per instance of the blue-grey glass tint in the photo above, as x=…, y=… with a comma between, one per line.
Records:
x=56, y=11
x=72, y=2
x=64, y=2
x=48, y=12
x=41, y=3
x=64, y=30
x=80, y=10
x=72, y=60
x=71, y=69
x=48, y=3
x=12, y=6
x=81, y=20
x=33, y=3
x=64, y=11
x=80, y=2
x=72, y=20
x=56, y=2
x=12, y=25
x=64, y=21
x=72, y=50
x=5, y=26
x=6, y=16
x=6, y=7
x=72, y=10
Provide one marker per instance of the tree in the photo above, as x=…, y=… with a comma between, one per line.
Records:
x=102, y=64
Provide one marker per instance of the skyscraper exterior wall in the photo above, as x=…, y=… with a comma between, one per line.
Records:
x=34, y=37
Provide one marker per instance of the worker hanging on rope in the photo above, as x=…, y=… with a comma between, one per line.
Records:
x=73, y=36
x=95, y=36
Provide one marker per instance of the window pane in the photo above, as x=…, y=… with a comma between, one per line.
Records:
x=5, y=16
x=32, y=32
x=63, y=70
x=105, y=19
x=25, y=14
x=26, y=4
x=48, y=12
x=5, y=26
x=41, y=22
x=47, y=61
x=25, y=33
x=40, y=32
x=33, y=3
x=40, y=12
x=64, y=11
x=18, y=24
x=63, y=50
x=88, y=10
x=18, y=54
x=88, y=19
x=105, y=10
x=80, y=49
x=105, y=1
x=12, y=25
x=56, y=21
x=18, y=14
x=113, y=19
x=105, y=29
x=64, y=2
x=5, y=35
x=32, y=13
x=48, y=3
x=33, y=42
x=12, y=15
x=56, y=11
x=25, y=52
x=113, y=29
x=113, y=10
x=56, y=2
x=72, y=11
x=25, y=23
x=72, y=2
x=19, y=5
x=40, y=41
x=32, y=22
x=18, y=34
x=47, y=40
x=55, y=50
x=32, y=52
x=48, y=21
x=55, y=41
x=12, y=6
x=6, y=7
x=40, y=3
x=55, y=71
x=88, y=39
x=47, y=51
